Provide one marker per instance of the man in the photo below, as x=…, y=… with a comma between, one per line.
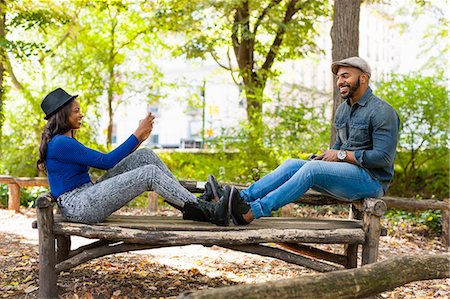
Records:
x=359, y=165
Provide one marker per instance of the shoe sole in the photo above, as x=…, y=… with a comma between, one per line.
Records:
x=226, y=223
x=230, y=206
x=213, y=188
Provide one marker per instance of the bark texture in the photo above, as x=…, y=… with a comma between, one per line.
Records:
x=2, y=66
x=355, y=283
x=344, y=41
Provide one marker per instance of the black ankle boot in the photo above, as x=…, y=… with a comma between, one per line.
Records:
x=216, y=189
x=207, y=194
x=216, y=213
x=238, y=207
x=213, y=191
x=192, y=211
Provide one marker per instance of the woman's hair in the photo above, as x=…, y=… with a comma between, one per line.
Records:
x=58, y=123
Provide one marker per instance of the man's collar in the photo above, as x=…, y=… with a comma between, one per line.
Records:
x=363, y=100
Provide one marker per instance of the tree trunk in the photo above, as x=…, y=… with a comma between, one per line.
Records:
x=254, y=78
x=110, y=110
x=354, y=283
x=111, y=82
x=345, y=42
x=243, y=45
x=2, y=66
x=254, y=97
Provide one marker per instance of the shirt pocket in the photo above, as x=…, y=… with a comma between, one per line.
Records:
x=359, y=135
x=341, y=131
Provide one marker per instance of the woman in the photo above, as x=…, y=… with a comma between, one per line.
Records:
x=129, y=171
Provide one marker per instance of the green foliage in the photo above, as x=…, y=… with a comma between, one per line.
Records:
x=28, y=196
x=3, y=196
x=423, y=155
x=431, y=219
x=67, y=44
x=232, y=166
x=295, y=131
x=431, y=180
x=237, y=157
x=206, y=23
x=260, y=34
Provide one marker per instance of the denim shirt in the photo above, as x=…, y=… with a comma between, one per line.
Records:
x=369, y=129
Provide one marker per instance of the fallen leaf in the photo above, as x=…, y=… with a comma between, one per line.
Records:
x=31, y=289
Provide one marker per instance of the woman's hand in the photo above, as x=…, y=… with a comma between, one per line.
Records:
x=145, y=128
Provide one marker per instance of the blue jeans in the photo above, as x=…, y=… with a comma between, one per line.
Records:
x=294, y=177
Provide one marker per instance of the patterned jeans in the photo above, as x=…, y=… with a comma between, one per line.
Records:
x=141, y=171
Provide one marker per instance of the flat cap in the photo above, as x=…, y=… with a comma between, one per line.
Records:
x=356, y=62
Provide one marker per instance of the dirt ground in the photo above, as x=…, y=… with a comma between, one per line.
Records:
x=167, y=272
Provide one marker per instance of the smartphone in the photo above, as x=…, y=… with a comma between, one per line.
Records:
x=312, y=157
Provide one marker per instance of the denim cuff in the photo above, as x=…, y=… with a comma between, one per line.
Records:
x=359, y=157
x=256, y=209
x=244, y=195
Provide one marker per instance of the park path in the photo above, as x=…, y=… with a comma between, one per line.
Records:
x=201, y=266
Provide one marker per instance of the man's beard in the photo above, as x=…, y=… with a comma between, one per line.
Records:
x=352, y=90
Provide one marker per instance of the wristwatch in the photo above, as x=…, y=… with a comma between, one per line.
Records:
x=341, y=155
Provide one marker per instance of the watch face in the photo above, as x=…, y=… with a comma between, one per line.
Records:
x=341, y=155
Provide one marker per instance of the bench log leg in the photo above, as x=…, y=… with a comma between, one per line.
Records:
x=446, y=226
x=352, y=256
x=351, y=250
x=62, y=248
x=47, y=276
x=372, y=228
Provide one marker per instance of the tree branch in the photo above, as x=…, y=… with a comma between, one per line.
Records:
x=9, y=69
x=62, y=38
x=131, y=39
x=216, y=59
x=234, y=34
x=290, y=12
x=230, y=64
x=264, y=13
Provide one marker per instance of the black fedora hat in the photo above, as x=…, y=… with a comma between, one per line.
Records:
x=55, y=101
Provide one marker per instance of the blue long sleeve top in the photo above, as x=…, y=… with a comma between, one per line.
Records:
x=68, y=162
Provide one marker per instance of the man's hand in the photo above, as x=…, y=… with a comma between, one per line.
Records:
x=329, y=155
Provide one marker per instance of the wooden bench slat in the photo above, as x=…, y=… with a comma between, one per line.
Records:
x=178, y=224
x=172, y=238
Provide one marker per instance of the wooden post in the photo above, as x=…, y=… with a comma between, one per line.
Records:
x=373, y=210
x=370, y=247
x=62, y=247
x=14, y=197
x=47, y=276
x=152, y=202
x=351, y=250
x=351, y=253
x=446, y=224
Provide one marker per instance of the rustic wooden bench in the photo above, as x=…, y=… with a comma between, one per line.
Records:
x=278, y=237
x=407, y=204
